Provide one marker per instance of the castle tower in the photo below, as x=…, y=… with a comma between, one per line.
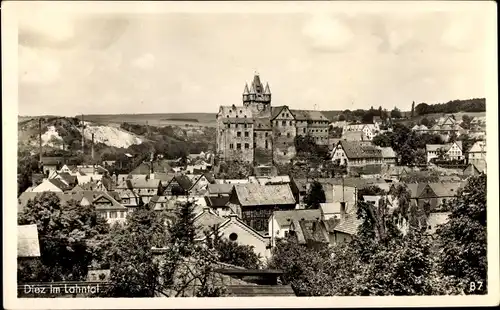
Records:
x=258, y=97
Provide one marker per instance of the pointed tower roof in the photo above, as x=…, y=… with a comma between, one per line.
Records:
x=256, y=83
x=267, y=91
x=252, y=89
x=245, y=91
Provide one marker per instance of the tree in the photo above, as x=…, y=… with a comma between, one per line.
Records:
x=341, y=118
x=452, y=137
x=26, y=166
x=395, y=113
x=231, y=252
x=315, y=196
x=382, y=140
x=70, y=237
x=425, y=121
x=463, y=239
x=133, y=270
x=183, y=231
x=306, y=270
x=466, y=121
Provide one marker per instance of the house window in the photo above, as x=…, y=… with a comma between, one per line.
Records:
x=122, y=214
x=233, y=237
x=303, y=130
x=231, y=146
x=245, y=126
x=246, y=134
x=290, y=123
x=238, y=146
x=266, y=134
x=283, y=123
x=254, y=134
x=254, y=145
x=266, y=144
x=286, y=234
x=112, y=214
x=247, y=145
x=240, y=111
x=288, y=135
x=238, y=134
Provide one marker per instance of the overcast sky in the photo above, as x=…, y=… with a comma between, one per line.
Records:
x=173, y=63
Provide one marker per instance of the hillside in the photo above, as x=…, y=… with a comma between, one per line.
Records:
x=63, y=135
x=157, y=119
x=64, y=132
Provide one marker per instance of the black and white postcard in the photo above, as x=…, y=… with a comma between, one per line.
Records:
x=182, y=154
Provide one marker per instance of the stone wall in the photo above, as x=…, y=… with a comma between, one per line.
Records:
x=284, y=132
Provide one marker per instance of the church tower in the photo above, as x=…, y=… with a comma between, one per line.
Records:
x=258, y=97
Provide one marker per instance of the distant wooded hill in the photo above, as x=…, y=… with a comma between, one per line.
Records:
x=453, y=106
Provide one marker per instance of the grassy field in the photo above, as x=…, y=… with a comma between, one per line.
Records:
x=160, y=119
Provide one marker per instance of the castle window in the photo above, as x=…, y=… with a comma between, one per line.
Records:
x=284, y=152
x=247, y=145
x=266, y=144
x=240, y=112
x=254, y=145
x=245, y=116
x=304, y=130
x=254, y=134
x=238, y=134
x=231, y=146
x=283, y=123
x=238, y=146
x=245, y=126
x=246, y=134
x=267, y=134
x=288, y=135
x=230, y=111
x=227, y=116
x=236, y=116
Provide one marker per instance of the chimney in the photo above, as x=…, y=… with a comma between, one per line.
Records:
x=342, y=211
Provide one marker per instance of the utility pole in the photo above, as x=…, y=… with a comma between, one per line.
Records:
x=83, y=137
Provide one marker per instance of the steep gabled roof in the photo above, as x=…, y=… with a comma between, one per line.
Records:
x=275, y=111
x=262, y=123
x=309, y=115
x=256, y=194
x=349, y=225
x=184, y=181
x=216, y=201
x=217, y=189
x=114, y=204
x=59, y=184
x=355, y=150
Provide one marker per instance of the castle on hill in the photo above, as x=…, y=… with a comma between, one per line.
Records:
x=258, y=133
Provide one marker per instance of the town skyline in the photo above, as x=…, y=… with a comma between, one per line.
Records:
x=108, y=65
